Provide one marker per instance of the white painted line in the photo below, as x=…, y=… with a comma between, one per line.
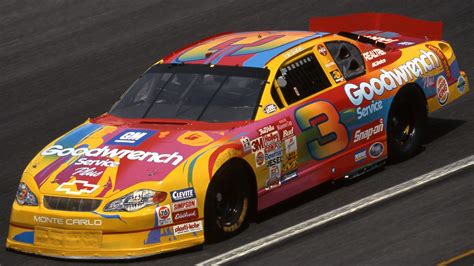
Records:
x=338, y=213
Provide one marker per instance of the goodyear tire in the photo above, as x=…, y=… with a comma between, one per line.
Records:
x=406, y=124
x=227, y=206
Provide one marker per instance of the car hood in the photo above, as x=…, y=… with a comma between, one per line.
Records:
x=102, y=157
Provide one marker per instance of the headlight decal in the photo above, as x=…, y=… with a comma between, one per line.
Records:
x=136, y=200
x=24, y=196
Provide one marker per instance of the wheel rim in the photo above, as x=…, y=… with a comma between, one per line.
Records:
x=229, y=201
x=403, y=124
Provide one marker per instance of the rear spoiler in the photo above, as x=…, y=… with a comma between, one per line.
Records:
x=410, y=27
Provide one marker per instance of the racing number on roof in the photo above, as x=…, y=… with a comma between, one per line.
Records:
x=320, y=124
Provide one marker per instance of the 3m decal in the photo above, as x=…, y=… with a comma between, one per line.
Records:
x=321, y=121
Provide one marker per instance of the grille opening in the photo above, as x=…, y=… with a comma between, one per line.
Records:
x=71, y=204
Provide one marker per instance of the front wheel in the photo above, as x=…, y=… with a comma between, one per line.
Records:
x=406, y=125
x=227, y=205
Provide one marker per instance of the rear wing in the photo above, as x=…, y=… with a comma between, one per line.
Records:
x=410, y=27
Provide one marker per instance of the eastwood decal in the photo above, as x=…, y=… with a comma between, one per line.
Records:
x=155, y=157
x=183, y=194
x=389, y=80
x=185, y=215
x=131, y=137
x=66, y=221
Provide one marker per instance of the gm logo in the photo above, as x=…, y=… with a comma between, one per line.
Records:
x=131, y=137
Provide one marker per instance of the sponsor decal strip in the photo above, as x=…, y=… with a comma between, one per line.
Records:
x=310, y=224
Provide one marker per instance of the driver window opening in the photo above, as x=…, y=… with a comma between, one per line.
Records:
x=300, y=79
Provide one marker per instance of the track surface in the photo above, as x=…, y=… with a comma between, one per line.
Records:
x=64, y=61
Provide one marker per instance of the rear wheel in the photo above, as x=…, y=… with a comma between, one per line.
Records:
x=227, y=206
x=406, y=124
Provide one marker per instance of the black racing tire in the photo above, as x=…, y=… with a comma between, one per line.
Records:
x=228, y=205
x=406, y=125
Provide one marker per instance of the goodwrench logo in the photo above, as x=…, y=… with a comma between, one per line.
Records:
x=106, y=151
x=389, y=80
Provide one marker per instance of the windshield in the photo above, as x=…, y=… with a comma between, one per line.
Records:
x=194, y=92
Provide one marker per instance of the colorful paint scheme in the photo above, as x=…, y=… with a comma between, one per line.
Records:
x=116, y=187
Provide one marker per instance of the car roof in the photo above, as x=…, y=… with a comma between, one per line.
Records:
x=247, y=49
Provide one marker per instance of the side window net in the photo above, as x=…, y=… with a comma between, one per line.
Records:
x=348, y=59
x=301, y=79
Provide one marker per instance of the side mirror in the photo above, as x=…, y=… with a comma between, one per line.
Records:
x=281, y=81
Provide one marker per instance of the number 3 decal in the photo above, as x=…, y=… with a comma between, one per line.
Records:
x=320, y=123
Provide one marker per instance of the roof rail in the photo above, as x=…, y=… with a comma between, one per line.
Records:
x=362, y=39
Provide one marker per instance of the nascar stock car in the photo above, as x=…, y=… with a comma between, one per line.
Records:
x=231, y=125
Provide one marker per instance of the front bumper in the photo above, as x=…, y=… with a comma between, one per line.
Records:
x=81, y=235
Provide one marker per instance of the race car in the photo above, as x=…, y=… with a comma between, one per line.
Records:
x=230, y=125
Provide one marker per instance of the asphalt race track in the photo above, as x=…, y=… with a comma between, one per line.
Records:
x=63, y=61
